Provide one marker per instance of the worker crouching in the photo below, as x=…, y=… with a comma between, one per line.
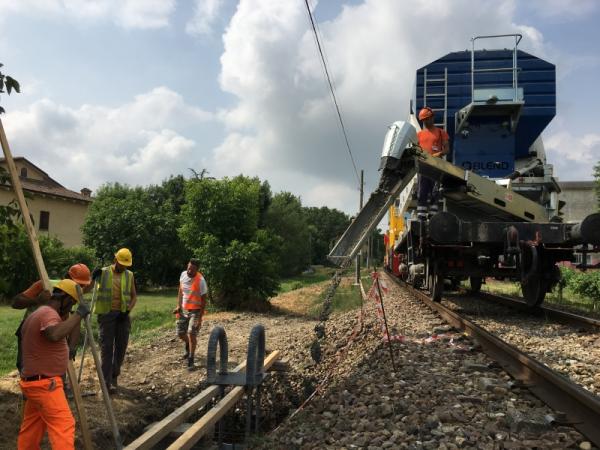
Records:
x=191, y=301
x=45, y=360
x=116, y=297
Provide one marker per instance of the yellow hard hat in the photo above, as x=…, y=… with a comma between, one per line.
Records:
x=69, y=287
x=124, y=257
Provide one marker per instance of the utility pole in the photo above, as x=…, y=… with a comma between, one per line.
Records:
x=358, y=257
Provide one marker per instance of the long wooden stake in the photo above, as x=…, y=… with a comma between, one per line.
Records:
x=105, y=395
x=387, y=331
x=41, y=268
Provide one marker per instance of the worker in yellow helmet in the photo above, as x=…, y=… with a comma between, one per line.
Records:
x=45, y=359
x=116, y=297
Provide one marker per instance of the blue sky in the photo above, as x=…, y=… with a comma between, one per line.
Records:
x=136, y=90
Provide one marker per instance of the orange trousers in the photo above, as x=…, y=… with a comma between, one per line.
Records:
x=46, y=408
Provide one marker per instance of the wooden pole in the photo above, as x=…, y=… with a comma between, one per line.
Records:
x=41, y=268
x=359, y=255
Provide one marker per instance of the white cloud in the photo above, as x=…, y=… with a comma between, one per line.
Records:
x=284, y=120
x=140, y=142
x=573, y=156
x=206, y=13
x=144, y=13
x=125, y=13
x=561, y=9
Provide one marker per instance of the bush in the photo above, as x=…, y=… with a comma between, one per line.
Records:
x=17, y=266
x=586, y=284
x=220, y=225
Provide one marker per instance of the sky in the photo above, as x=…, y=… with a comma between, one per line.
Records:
x=134, y=91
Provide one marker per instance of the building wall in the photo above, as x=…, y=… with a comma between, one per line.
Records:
x=32, y=172
x=581, y=200
x=66, y=216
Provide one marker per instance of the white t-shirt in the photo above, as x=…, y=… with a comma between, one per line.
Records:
x=186, y=285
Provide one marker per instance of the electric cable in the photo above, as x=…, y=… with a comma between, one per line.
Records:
x=331, y=89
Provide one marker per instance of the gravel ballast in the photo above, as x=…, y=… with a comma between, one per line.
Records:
x=445, y=393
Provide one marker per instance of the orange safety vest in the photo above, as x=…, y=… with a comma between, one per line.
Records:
x=191, y=298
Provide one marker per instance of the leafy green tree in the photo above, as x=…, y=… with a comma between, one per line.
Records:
x=145, y=220
x=287, y=219
x=326, y=225
x=17, y=270
x=220, y=225
x=8, y=84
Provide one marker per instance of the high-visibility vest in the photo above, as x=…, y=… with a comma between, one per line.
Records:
x=191, y=298
x=104, y=293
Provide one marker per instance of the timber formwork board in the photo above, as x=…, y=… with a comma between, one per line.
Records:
x=161, y=429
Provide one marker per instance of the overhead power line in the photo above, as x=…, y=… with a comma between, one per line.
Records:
x=331, y=88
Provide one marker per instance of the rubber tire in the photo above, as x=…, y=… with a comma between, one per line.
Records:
x=475, y=284
x=436, y=287
x=534, y=291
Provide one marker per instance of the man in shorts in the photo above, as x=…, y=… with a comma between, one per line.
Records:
x=191, y=301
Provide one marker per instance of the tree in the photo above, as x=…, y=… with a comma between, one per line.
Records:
x=326, y=226
x=220, y=225
x=8, y=83
x=145, y=220
x=287, y=219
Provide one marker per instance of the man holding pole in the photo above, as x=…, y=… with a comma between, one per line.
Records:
x=36, y=295
x=45, y=359
x=116, y=297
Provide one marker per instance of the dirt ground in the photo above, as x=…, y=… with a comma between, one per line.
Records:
x=154, y=380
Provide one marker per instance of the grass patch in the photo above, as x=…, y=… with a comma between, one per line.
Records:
x=555, y=297
x=319, y=275
x=346, y=298
x=9, y=321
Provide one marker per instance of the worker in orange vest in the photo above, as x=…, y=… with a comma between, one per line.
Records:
x=191, y=301
x=35, y=296
x=434, y=141
x=45, y=359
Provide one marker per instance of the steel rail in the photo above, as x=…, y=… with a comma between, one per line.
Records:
x=561, y=316
x=581, y=407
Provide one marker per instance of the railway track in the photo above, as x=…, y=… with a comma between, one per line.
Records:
x=578, y=407
x=544, y=311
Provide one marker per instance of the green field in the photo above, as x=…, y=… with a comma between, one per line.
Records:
x=9, y=321
x=306, y=279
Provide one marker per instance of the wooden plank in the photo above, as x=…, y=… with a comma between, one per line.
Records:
x=196, y=431
x=41, y=268
x=199, y=429
x=281, y=366
x=161, y=429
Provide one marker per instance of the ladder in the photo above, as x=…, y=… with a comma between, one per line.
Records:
x=437, y=83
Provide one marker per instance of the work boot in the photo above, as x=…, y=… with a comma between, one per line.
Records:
x=190, y=366
x=113, y=386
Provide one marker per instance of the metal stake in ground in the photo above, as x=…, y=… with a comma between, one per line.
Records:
x=39, y=262
x=85, y=339
x=387, y=332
